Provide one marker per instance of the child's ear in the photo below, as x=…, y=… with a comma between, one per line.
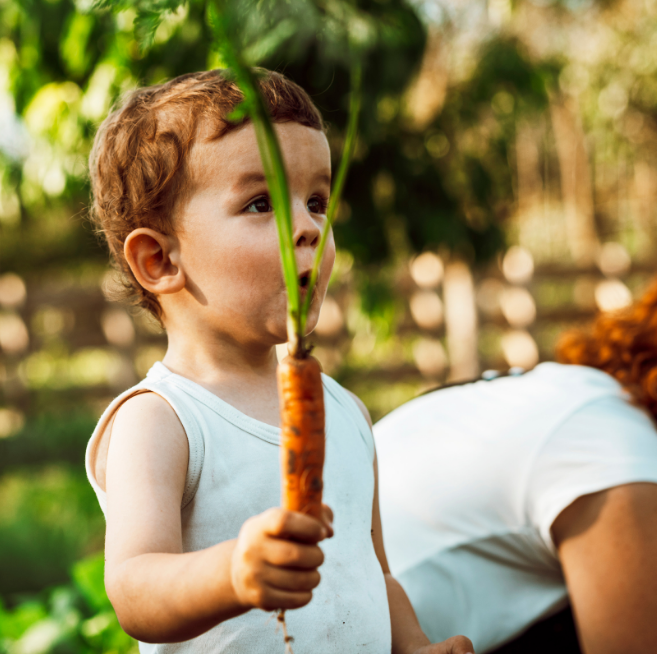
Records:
x=154, y=260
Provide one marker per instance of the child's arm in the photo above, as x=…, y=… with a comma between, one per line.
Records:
x=159, y=593
x=407, y=635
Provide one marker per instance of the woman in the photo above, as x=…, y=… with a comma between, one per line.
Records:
x=506, y=503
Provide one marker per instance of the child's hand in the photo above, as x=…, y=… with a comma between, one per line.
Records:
x=275, y=560
x=454, y=645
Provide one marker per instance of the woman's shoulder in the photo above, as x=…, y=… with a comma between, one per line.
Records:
x=548, y=386
x=565, y=376
x=512, y=409
x=605, y=443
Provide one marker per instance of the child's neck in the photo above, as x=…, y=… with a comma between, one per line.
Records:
x=242, y=375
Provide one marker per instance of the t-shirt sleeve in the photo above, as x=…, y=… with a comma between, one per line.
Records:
x=607, y=442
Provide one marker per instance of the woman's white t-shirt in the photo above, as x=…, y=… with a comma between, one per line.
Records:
x=472, y=477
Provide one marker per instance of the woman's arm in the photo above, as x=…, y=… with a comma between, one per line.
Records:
x=407, y=635
x=607, y=543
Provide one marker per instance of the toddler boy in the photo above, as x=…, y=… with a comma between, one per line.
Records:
x=186, y=463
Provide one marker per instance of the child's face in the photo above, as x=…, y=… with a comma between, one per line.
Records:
x=227, y=232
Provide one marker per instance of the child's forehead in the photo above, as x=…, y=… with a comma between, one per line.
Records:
x=234, y=158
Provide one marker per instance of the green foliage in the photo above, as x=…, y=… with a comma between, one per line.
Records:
x=49, y=517
x=472, y=170
x=503, y=65
x=74, y=47
x=74, y=619
x=338, y=184
x=149, y=15
x=47, y=438
x=89, y=578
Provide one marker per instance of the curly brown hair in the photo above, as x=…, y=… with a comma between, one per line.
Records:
x=138, y=160
x=624, y=345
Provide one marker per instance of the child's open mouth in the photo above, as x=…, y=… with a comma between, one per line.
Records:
x=304, y=284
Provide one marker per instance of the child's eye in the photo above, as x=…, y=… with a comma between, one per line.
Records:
x=317, y=205
x=259, y=205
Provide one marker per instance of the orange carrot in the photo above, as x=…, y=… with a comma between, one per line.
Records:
x=302, y=434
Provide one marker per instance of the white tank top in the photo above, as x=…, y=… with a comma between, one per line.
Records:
x=233, y=474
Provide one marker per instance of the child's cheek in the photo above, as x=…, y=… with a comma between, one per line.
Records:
x=255, y=262
x=328, y=261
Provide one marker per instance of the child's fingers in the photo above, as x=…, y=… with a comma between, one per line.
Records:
x=292, y=525
x=327, y=519
x=287, y=554
x=272, y=599
x=292, y=580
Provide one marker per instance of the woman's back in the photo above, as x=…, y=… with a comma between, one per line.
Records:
x=472, y=478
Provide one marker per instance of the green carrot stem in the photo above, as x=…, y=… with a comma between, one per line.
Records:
x=274, y=168
x=272, y=161
x=350, y=142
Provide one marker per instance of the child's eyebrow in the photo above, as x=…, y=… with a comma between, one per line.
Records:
x=251, y=179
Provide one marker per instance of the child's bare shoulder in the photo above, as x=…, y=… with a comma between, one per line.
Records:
x=144, y=429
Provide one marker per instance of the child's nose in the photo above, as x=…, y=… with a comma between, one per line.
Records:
x=306, y=228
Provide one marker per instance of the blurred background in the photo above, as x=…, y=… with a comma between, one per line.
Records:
x=503, y=190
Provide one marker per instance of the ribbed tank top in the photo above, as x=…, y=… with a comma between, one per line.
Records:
x=232, y=475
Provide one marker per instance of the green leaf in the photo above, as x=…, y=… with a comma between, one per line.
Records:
x=270, y=42
x=150, y=14
x=89, y=577
x=146, y=24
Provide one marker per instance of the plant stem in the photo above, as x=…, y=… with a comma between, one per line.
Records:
x=334, y=202
x=274, y=168
x=272, y=161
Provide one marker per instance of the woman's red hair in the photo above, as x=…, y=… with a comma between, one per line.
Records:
x=624, y=345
